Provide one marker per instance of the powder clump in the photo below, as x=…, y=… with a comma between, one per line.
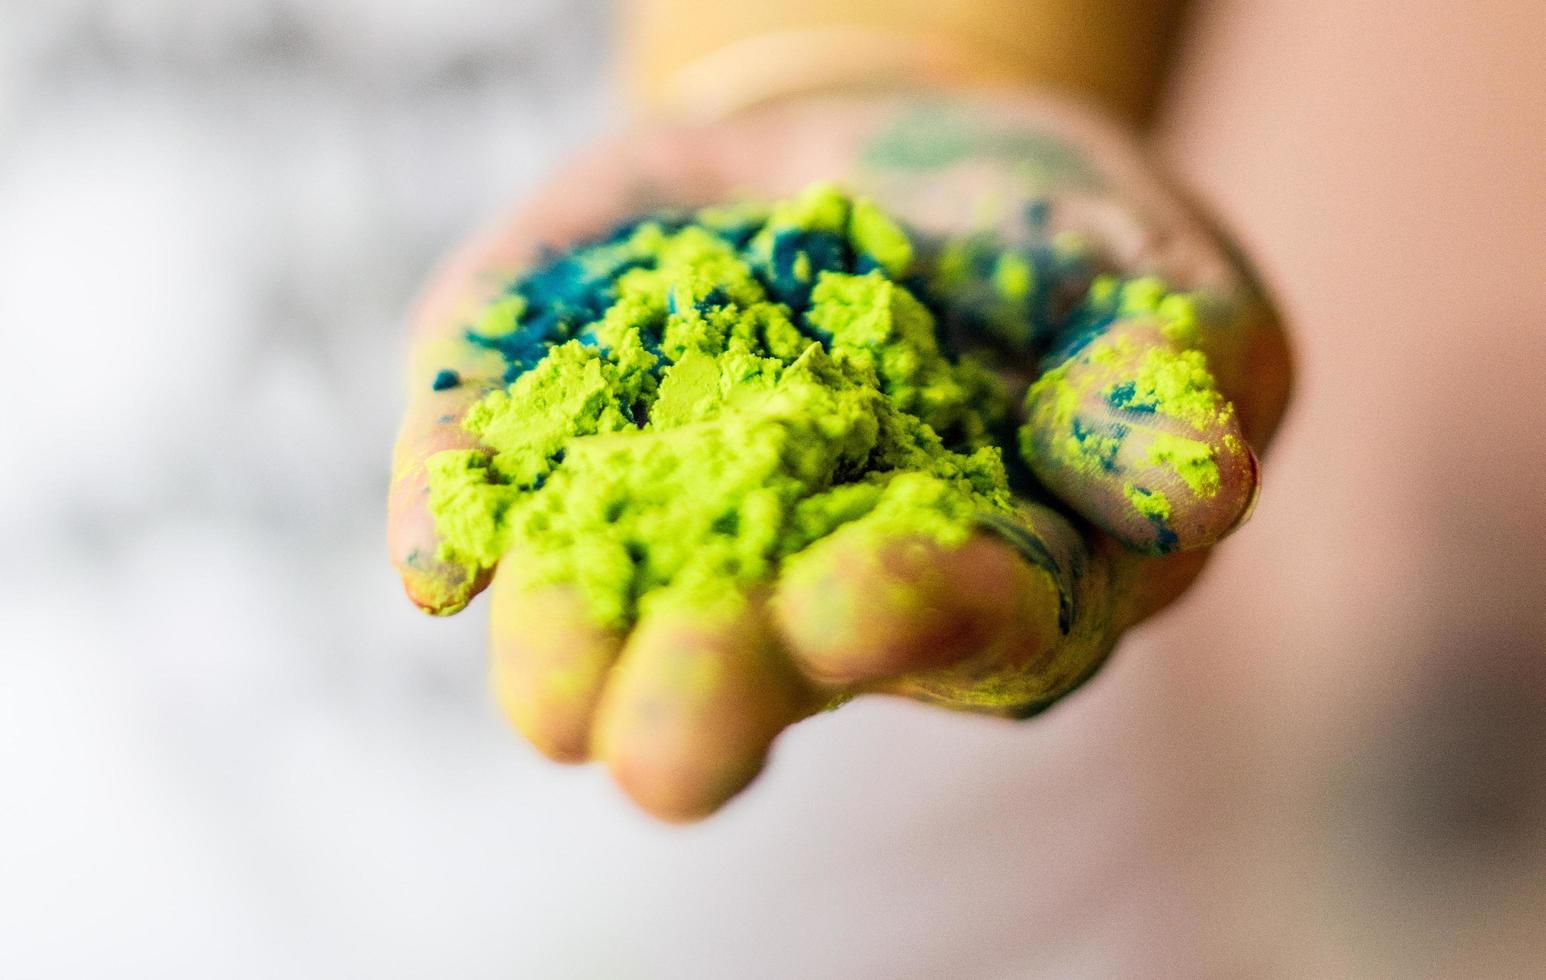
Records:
x=693, y=402
x=690, y=404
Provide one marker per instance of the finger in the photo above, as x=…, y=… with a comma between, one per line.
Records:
x=854, y=611
x=1027, y=666
x=694, y=704
x=1132, y=432
x=447, y=374
x=431, y=425
x=549, y=663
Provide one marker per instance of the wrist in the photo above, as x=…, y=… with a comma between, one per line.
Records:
x=710, y=60
x=759, y=69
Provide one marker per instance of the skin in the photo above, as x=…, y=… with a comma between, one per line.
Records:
x=684, y=709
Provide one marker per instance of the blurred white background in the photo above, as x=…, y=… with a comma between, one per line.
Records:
x=230, y=748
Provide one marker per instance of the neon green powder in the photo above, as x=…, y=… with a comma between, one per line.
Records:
x=701, y=405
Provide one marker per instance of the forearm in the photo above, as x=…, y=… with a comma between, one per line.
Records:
x=711, y=57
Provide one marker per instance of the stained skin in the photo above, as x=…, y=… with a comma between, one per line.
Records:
x=1107, y=213
x=697, y=405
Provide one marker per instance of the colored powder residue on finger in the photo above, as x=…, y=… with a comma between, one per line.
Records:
x=1125, y=407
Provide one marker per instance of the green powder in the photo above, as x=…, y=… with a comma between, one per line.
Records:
x=693, y=403
x=1150, y=503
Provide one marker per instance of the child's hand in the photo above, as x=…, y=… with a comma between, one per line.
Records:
x=684, y=708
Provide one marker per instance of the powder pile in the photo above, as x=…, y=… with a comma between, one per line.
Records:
x=692, y=403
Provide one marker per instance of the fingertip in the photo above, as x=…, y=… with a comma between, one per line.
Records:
x=1133, y=435
x=1247, y=477
x=436, y=586
x=549, y=661
x=1168, y=508
x=693, y=706
x=439, y=588
x=1206, y=514
x=431, y=424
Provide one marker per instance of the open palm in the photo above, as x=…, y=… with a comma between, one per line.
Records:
x=684, y=708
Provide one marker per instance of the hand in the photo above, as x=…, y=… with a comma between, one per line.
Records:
x=684, y=708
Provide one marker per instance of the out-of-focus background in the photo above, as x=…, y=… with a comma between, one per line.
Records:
x=230, y=748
